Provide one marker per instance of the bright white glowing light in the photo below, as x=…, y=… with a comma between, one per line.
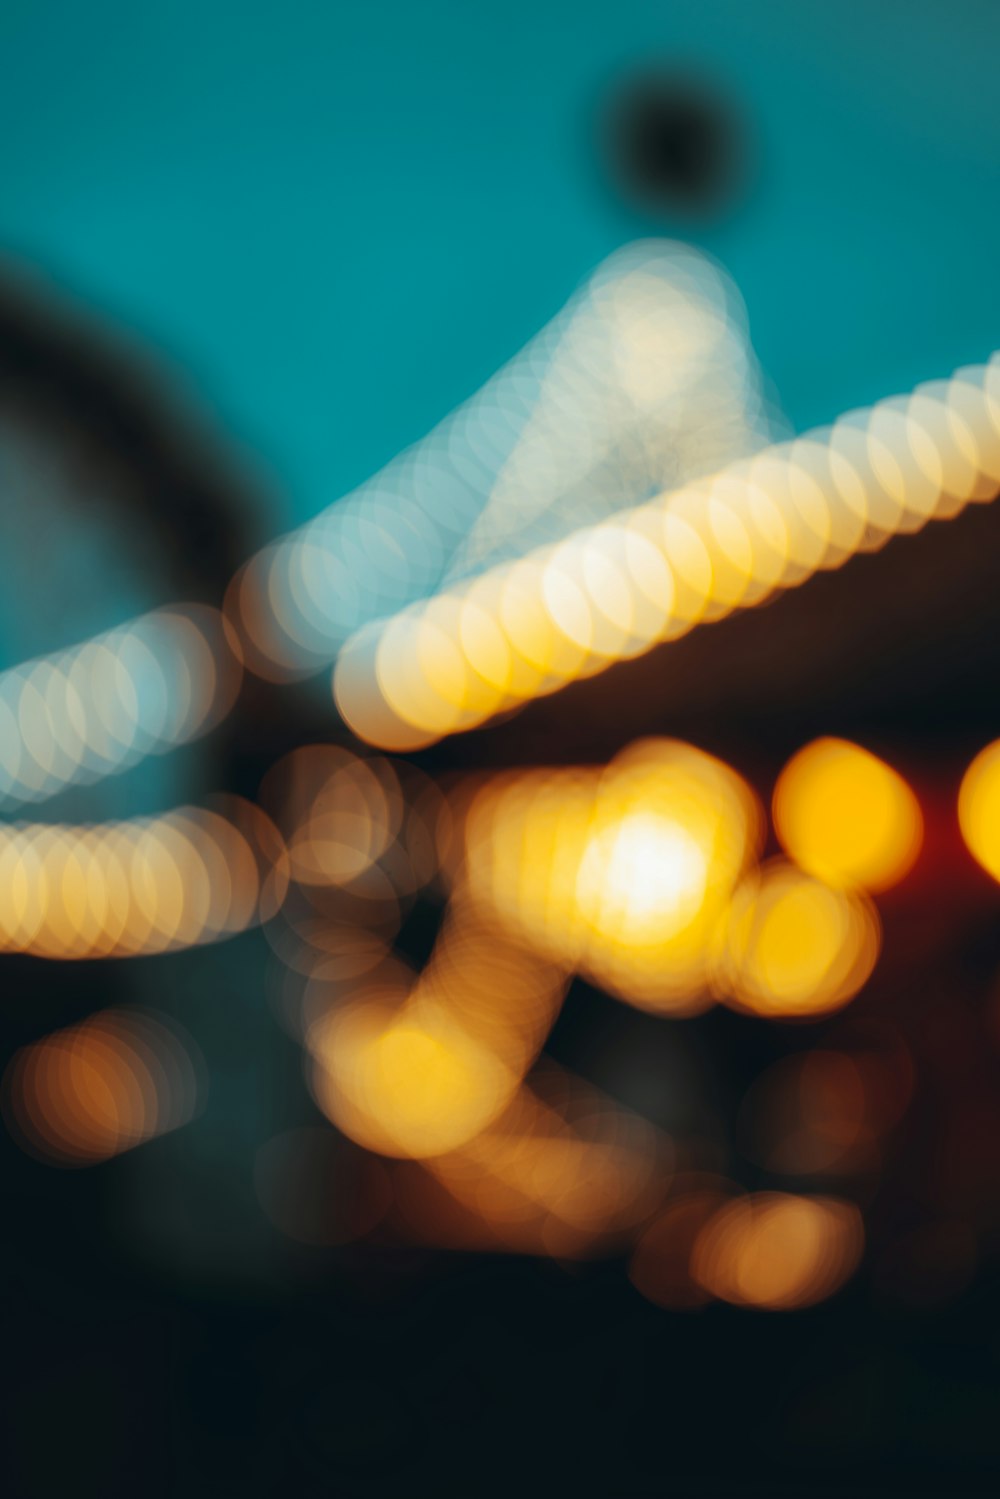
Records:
x=647, y=874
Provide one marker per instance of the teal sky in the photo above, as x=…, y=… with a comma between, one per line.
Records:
x=333, y=221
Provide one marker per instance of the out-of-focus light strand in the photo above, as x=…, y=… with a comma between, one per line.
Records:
x=649, y=574
x=97, y=708
x=645, y=379
x=417, y=1066
x=147, y=885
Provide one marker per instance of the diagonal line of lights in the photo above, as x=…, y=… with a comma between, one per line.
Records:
x=649, y=574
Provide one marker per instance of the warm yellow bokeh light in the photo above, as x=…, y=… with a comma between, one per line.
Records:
x=625, y=873
x=794, y=946
x=846, y=816
x=979, y=808
x=410, y=1082
x=778, y=1251
x=417, y=1065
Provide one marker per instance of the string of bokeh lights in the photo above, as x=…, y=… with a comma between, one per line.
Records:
x=650, y=574
x=97, y=708
x=554, y=525
x=139, y=886
x=657, y=322
x=646, y=378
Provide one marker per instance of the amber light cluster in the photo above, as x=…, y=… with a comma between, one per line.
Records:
x=563, y=612
x=87, y=1093
x=439, y=1069
x=623, y=872
x=644, y=875
x=442, y=1068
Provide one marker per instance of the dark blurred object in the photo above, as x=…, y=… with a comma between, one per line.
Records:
x=96, y=407
x=674, y=145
